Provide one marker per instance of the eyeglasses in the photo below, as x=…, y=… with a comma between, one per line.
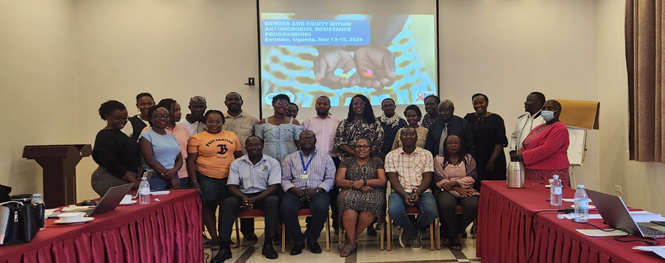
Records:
x=282, y=103
x=359, y=104
x=362, y=146
x=453, y=143
x=164, y=116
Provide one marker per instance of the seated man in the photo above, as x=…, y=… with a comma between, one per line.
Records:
x=409, y=170
x=253, y=183
x=307, y=176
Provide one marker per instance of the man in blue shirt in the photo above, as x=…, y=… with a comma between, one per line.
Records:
x=253, y=183
x=307, y=177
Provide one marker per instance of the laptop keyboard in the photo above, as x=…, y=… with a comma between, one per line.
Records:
x=650, y=232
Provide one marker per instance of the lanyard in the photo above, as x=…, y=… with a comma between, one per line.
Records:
x=302, y=160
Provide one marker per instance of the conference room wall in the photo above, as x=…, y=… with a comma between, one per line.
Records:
x=642, y=183
x=184, y=48
x=39, y=95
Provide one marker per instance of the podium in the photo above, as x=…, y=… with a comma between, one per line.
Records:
x=59, y=165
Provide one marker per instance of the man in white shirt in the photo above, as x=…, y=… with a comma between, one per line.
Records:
x=194, y=121
x=324, y=127
x=525, y=123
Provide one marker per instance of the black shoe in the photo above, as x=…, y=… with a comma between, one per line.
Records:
x=221, y=256
x=314, y=248
x=269, y=252
x=371, y=231
x=297, y=249
x=251, y=237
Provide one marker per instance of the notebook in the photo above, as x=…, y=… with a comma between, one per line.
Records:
x=616, y=214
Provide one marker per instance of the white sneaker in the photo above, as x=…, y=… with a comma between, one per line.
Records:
x=402, y=238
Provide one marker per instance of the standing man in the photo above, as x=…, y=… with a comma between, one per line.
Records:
x=292, y=110
x=242, y=124
x=431, y=107
x=307, y=176
x=324, y=127
x=194, y=121
x=391, y=123
x=253, y=183
x=409, y=170
x=449, y=124
x=525, y=123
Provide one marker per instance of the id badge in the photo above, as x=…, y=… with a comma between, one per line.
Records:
x=304, y=176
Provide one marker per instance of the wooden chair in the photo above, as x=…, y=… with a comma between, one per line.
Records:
x=306, y=212
x=382, y=235
x=433, y=228
x=254, y=213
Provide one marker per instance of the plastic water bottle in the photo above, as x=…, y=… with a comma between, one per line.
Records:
x=40, y=207
x=144, y=191
x=581, y=205
x=555, y=191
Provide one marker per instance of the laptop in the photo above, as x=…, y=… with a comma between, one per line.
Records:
x=110, y=200
x=616, y=214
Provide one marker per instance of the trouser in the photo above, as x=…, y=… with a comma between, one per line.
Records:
x=102, y=180
x=289, y=207
x=451, y=223
x=426, y=213
x=231, y=207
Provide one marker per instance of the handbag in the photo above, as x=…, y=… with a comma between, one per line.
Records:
x=18, y=223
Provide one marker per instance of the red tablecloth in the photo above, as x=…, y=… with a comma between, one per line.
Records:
x=163, y=231
x=505, y=233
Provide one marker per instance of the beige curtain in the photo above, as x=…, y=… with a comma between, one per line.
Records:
x=644, y=58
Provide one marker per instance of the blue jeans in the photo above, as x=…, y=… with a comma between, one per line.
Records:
x=427, y=213
x=158, y=183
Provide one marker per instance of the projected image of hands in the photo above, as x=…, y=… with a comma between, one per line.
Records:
x=342, y=55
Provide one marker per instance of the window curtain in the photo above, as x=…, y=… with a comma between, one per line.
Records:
x=644, y=58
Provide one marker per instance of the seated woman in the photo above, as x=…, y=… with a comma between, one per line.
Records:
x=161, y=151
x=362, y=196
x=545, y=150
x=116, y=154
x=454, y=176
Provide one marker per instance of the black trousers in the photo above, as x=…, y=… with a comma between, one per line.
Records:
x=291, y=204
x=231, y=207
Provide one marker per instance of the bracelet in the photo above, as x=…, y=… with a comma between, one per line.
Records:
x=193, y=182
x=364, y=182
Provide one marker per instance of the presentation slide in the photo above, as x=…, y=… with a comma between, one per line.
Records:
x=379, y=48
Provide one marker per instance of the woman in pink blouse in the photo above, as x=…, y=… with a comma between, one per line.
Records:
x=545, y=150
x=454, y=175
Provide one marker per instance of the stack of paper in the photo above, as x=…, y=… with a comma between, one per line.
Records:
x=659, y=250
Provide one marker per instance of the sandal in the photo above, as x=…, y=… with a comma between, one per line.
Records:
x=455, y=246
x=347, y=251
x=340, y=247
x=446, y=241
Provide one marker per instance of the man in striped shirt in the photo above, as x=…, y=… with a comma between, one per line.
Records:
x=307, y=177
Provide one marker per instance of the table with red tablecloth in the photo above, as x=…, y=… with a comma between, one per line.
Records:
x=506, y=234
x=168, y=230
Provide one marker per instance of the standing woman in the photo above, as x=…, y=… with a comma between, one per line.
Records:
x=181, y=134
x=138, y=122
x=160, y=151
x=279, y=132
x=489, y=133
x=545, y=150
x=360, y=122
x=116, y=154
x=412, y=115
x=210, y=154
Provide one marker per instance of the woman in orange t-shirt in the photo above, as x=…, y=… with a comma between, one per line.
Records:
x=210, y=155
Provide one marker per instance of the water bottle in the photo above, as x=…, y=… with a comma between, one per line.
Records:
x=555, y=191
x=144, y=191
x=40, y=208
x=581, y=205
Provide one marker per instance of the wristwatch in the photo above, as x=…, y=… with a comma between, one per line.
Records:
x=320, y=191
